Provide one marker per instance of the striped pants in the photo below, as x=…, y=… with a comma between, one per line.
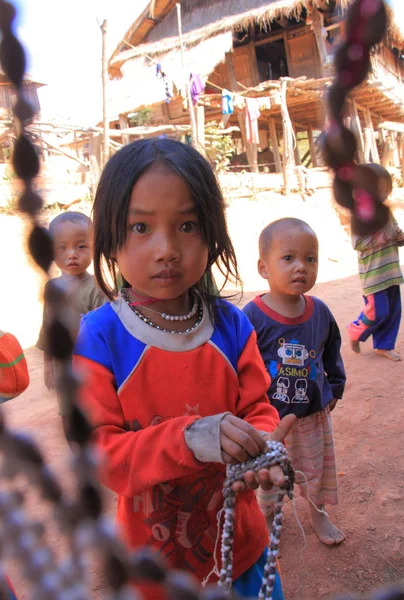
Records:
x=380, y=317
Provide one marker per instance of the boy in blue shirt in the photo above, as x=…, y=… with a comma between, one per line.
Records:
x=300, y=342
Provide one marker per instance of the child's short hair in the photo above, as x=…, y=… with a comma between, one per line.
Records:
x=69, y=217
x=268, y=233
x=112, y=200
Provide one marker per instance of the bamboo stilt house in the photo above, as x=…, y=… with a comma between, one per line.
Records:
x=267, y=64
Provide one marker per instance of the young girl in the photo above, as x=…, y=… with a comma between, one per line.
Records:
x=174, y=382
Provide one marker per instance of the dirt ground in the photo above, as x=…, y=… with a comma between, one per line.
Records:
x=368, y=422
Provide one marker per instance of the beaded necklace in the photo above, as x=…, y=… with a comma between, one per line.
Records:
x=164, y=329
x=275, y=455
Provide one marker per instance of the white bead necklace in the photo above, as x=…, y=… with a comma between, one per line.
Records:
x=167, y=317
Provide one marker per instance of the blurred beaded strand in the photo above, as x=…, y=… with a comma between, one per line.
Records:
x=355, y=186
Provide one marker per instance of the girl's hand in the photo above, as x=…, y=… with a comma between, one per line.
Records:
x=239, y=441
x=266, y=478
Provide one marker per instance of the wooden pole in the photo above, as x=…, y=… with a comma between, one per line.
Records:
x=356, y=125
x=194, y=131
x=312, y=145
x=372, y=137
x=250, y=148
x=123, y=124
x=200, y=126
x=318, y=22
x=288, y=152
x=105, y=121
x=275, y=145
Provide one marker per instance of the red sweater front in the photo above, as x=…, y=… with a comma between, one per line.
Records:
x=143, y=389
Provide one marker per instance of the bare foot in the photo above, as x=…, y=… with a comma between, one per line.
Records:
x=356, y=347
x=326, y=531
x=390, y=354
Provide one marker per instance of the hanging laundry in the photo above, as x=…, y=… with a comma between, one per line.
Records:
x=265, y=103
x=239, y=101
x=252, y=113
x=227, y=102
x=167, y=85
x=196, y=88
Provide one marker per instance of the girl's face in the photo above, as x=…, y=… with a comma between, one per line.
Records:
x=164, y=254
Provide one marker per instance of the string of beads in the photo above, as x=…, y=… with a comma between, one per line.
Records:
x=356, y=187
x=275, y=455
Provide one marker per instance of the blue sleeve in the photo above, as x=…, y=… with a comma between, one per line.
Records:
x=332, y=360
x=91, y=342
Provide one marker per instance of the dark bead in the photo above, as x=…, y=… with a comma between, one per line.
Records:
x=336, y=98
x=12, y=58
x=59, y=342
x=79, y=426
x=91, y=500
x=338, y=145
x=23, y=110
x=116, y=571
x=49, y=485
x=24, y=449
x=389, y=593
x=380, y=219
x=352, y=63
x=343, y=193
x=54, y=294
x=146, y=564
x=25, y=159
x=7, y=16
x=30, y=202
x=40, y=247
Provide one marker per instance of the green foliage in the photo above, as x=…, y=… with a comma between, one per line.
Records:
x=219, y=147
x=140, y=118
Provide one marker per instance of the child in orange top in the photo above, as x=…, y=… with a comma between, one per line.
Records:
x=14, y=378
x=175, y=384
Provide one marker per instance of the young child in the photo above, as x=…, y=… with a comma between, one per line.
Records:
x=300, y=343
x=14, y=377
x=175, y=385
x=72, y=236
x=381, y=277
x=14, y=380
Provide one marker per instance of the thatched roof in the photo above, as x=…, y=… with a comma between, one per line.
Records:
x=156, y=29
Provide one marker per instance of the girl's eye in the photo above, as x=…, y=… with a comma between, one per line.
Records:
x=288, y=257
x=82, y=247
x=139, y=228
x=311, y=259
x=189, y=226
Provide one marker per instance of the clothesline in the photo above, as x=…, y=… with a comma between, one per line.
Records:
x=207, y=81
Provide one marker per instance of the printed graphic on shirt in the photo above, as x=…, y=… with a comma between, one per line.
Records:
x=181, y=516
x=291, y=376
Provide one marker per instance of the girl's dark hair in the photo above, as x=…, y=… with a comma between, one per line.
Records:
x=112, y=199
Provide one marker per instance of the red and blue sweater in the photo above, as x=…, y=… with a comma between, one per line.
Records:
x=143, y=389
